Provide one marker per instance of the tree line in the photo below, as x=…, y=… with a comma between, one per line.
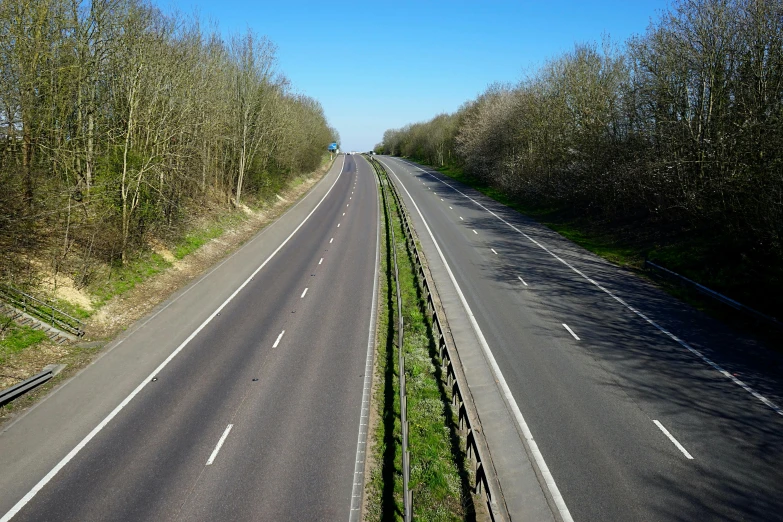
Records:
x=118, y=121
x=680, y=127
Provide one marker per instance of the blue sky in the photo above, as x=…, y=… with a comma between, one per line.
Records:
x=375, y=66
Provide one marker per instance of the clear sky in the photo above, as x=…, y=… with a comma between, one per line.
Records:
x=380, y=65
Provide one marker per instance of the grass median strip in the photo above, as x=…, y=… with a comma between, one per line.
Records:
x=439, y=478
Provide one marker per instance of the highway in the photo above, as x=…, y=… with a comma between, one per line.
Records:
x=638, y=406
x=242, y=397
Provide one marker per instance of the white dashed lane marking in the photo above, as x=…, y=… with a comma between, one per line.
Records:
x=674, y=441
x=219, y=445
x=773, y=406
x=571, y=332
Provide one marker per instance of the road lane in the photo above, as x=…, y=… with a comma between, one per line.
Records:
x=591, y=402
x=293, y=400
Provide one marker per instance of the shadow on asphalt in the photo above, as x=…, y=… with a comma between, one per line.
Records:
x=649, y=367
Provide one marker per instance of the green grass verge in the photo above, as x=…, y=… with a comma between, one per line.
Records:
x=70, y=308
x=124, y=278
x=15, y=338
x=384, y=484
x=196, y=238
x=439, y=480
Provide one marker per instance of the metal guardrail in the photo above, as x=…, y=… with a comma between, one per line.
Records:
x=406, y=461
x=42, y=310
x=715, y=295
x=468, y=420
x=25, y=386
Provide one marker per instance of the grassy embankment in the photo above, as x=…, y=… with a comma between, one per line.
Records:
x=703, y=256
x=20, y=346
x=120, y=279
x=439, y=479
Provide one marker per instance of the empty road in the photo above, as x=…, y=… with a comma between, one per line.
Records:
x=240, y=398
x=641, y=407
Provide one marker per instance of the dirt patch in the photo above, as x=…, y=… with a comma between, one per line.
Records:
x=59, y=286
x=123, y=310
x=160, y=249
x=67, y=291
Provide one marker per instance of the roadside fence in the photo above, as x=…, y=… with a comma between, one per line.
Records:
x=476, y=446
x=406, y=462
x=715, y=295
x=41, y=310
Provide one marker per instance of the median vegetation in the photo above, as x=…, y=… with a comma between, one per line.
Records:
x=439, y=478
x=668, y=146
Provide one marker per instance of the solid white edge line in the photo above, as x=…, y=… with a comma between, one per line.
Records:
x=674, y=441
x=71, y=454
x=303, y=294
x=219, y=445
x=523, y=281
x=571, y=332
x=715, y=366
x=361, y=443
x=277, y=341
x=538, y=457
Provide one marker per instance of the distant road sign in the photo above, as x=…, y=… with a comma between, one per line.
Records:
x=333, y=146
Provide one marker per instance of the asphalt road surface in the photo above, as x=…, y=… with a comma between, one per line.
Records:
x=257, y=412
x=641, y=407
